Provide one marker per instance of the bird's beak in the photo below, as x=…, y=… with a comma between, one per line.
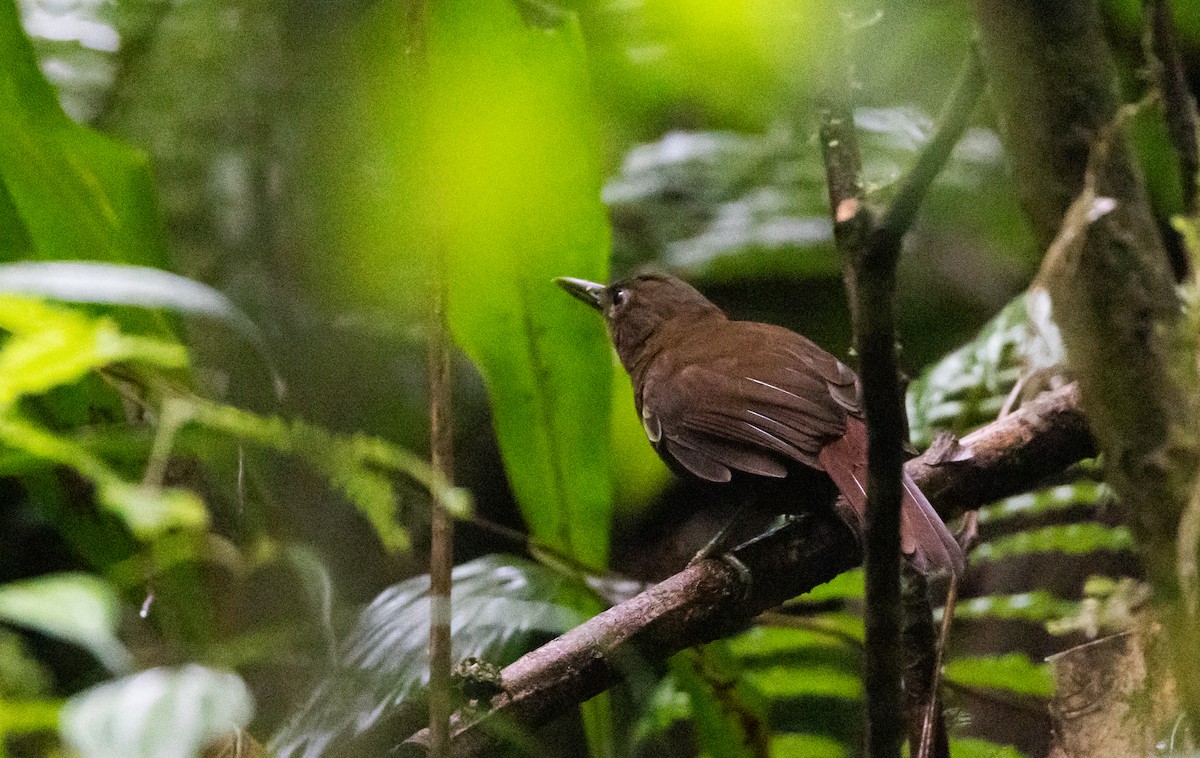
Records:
x=589, y=292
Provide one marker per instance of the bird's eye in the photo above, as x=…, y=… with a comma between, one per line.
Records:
x=619, y=297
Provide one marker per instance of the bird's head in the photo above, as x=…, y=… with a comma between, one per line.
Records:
x=637, y=307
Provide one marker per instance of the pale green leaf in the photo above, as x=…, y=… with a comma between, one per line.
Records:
x=78, y=608
x=1037, y=606
x=1079, y=492
x=151, y=511
x=158, y=713
x=121, y=284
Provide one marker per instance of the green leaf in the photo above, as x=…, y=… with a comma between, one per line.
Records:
x=502, y=604
x=78, y=608
x=848, y=585
x=350, y=463
x=517, y=185
x=969, y=747
x=1080, y=492
x=75, y=193
x=158, y=713
x=53, y=346
x=23, y=716
x=777, y=682
x=1012, y=672
x=1037, y=606
x=1074, y=539
x=147, y=511
x=808, y=746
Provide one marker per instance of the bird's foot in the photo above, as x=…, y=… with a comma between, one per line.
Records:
x=745, y=577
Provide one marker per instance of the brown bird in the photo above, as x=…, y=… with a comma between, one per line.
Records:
x=718, y=396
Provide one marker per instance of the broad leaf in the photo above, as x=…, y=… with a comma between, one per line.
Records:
x=78, y=608
x=66, y=192
x=120, y=284
x=159, y=713
x=501, y=606
x=518, y=190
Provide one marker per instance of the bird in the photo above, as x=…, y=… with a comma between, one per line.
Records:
x=719, y=397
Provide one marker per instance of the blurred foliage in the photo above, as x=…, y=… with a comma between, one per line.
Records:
x=179, y=502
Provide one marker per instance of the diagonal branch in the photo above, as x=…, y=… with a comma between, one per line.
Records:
x=708, y=600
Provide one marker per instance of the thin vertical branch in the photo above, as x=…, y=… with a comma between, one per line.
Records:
x=870, y=283
x=870, y=251
x=441, y=550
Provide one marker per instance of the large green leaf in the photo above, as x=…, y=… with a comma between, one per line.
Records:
x=66, y=192
x=517, y=187
x=158, y=713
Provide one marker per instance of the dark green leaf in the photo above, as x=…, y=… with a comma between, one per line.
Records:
x=501, y=605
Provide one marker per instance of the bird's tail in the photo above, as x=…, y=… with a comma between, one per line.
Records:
x=923, y=535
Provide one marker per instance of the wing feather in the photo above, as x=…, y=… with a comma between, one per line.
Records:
x=767, y=398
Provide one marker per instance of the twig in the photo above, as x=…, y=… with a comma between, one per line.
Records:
x=921, y=666
x=708, y=600
x=933, y=713
x=441, y=547
x=952, y=122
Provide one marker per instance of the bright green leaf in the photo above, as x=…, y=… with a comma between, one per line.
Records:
x=78, y=608
x=22, y=716
x=517, y=189
x=1074, y=539
x=848, y=585
x=1013, y=672
x=158, y=713
x=51, y=346
x=817, y=681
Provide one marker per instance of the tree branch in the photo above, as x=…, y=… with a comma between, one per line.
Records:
x=708, y=600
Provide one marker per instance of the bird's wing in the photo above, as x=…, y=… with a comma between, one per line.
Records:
x=772, y=397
